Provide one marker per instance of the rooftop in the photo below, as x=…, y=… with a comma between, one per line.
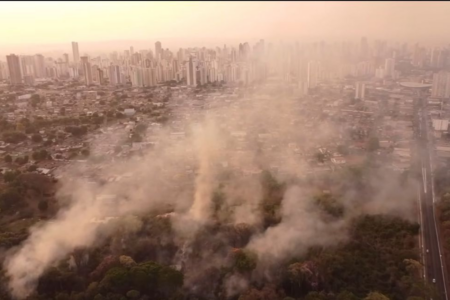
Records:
x=409, y=84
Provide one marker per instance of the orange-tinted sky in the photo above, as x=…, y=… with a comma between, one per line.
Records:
x=62, y=22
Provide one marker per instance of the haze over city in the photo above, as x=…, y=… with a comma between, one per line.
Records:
x=224, y=150
x=47, y=26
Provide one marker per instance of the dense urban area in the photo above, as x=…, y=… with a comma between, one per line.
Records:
x=260, y=171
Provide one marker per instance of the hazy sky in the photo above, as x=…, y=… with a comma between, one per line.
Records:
x=62, y=22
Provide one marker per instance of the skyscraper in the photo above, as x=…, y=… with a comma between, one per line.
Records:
x=99, y=74
x=313, y=74
x=434, y=57
x=3, y=71
x=26, y=63
x=66, y=57
x=137, y=75
x=191, y=72
x=76, y=53
x=87, y=69
x=441, y=85
x=389, y=67
x=39, y=66
x=364, y=48
x=15, y=73
x=360, y=90
x=158, y=49
x=115, y=77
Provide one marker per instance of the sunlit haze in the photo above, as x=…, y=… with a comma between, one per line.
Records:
x=179, y=23
x=224, y=150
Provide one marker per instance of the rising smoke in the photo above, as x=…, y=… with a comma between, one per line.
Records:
x=226, y=147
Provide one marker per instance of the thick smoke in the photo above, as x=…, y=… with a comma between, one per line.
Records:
x=302, y=226
x=225, y=148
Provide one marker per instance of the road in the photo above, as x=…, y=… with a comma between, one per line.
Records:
x=433, y=260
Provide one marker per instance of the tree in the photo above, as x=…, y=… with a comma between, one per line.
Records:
x=127, y=261
x=140, y=128
x=10, y=199
x=35, y=100
x=373, y=144
x=21, y=160
x=376, y=296
x=76, y=131
x=43, y=205
x=32, y=168
x=145, y=276
x=47, y=143
x=245, y=261
x=136, y=138
x=8, y=158
x=116, y=280
x=14, y=137
x=62, y=296
x=346, y=295
x=169, y=280
x=85, y=152
x=315, y=296
x=133, y=294
x=36, y=138
x=40, y=155
x=320, y=157
x=267, y=293
x=10, y=176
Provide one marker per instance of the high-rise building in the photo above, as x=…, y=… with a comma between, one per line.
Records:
x=158, y=49
x=76, y=53
x=87, y=70
x=137, y=77
x=3, y=71
x=441, y=85
x=418, y=56
x=15, y=72
x=62, y=68
x=434, y=60
x=115, y=76
x=364, y=48
x=149, y=76
x=39, y=66
x=180, y=55
x=66, y=58
x=389, y=68
x=379, y=73
x=313, y=74
x=27, y=65
x=202, y=78
x=74, y=72
x=100, y=76
x=191, y=72
x=360, y=90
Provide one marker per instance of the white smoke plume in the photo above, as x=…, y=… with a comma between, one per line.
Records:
x=302, y=226
x=231, y=143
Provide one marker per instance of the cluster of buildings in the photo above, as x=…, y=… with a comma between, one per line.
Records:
x=305, y=66
x=360, y=85
x=145, y=68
